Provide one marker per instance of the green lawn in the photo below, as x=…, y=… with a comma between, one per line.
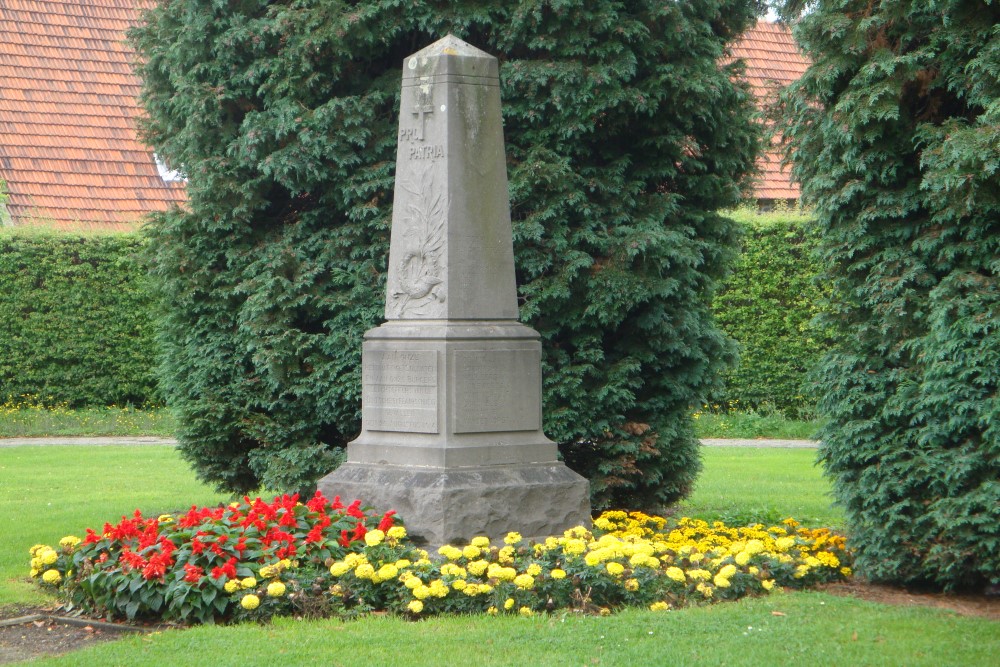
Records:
x=52, y=491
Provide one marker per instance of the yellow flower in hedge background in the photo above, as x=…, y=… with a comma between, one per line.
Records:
x=676, y=573
x=250, y=602
x=48, y=556
x=659, y=606
x=524, y=581
x=275, y=589
x=768, y=584
x=248, y=582
x=373, y=538
x=52, y=577
x=481, y=541
x=232, y=586
x=471, y=551
x=512, y=538
x=558, y=573
x=415, y=606
x=526, y=612
x=338, y=569
x=615, y=569
x=396, y=533
x=508, y=603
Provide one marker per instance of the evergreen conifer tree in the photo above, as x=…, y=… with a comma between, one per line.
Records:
x=895, y=132
x=624, y=135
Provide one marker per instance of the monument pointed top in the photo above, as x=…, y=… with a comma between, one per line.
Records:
x=450, y=55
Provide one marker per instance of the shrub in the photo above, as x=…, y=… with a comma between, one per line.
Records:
x=767, y=305
x=895, y=129
x=75, y=320
x=254, y=560
x=624, y=136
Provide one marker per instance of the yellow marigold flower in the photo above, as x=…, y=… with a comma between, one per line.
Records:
x=387, y=572
x=477, y=567
x=36, y=563
x=659, y=606
x=801, y=571
x=364, y=571
x=373, y=538
x=402, y=563
x=812, y=561
x=754, y=547
x=696, y=557
x=472, y=590
x=508, y=603
x=704, y=575
x=459, y=584
x=652, y=562
x=232, y=586
x=52, y=577
x=593, y=558
x=338, y=569
x=396, y=532
x=423, y=562
x=846, y=571
x=492, y=611
x=48, y=556
x=705, y=590
x=450, y=552
x=249, y=582
x=438, y=588
x=632, y=584
x=506, y=555
x=275, y=589
x=742, y=558
x=69, y=542
x=638, y=560
x=267, y=571
x=754, y=570
x=768, y=584
x=790, y=522
x=728, y=571
x=604, y=611
x=721, y=581
x=785, y=558
x=615, y=569
x=285, y=563
x=534, y=569
x=33, y=551
x=577, y=532
x=676, y=573
x=480, y=541
x=512, y=538
x=412, y=582
x=526, y=612
x=471, y=551
x=337, y=589
x=574, y=547
x=35, y=572
x=421, y=592
x=250, y=602
x=557, y=573
x=415, y=606
x=784, y=543
x=603, y=523
x=524, y=581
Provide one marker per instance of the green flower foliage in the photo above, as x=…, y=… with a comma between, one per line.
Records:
x=624, y=135
x=896, y=133
x=767, y=305
x=75, y=320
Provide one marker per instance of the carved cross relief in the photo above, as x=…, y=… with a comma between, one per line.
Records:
x=424, y=105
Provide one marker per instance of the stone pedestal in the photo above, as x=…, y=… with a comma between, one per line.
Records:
x=451, y=384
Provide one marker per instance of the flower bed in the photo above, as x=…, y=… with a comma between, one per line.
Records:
x=253, y=560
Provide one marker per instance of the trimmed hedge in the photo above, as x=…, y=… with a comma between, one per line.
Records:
x=76, y=325
x=767, y=305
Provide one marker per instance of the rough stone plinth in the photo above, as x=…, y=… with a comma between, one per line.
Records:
x=451, y=385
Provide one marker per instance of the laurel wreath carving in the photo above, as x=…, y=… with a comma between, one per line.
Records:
x=419, y=283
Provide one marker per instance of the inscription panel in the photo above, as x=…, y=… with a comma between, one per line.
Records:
x=497, y=390
x=399, y=391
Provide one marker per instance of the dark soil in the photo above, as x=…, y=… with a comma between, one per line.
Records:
x=38, y=637
x=33, y=639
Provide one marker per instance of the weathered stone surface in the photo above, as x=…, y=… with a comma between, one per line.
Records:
x=451, y=385
x=452, y=506
x=450, y=253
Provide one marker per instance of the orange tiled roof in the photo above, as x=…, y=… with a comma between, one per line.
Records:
x=68, y=110
x=773, y=61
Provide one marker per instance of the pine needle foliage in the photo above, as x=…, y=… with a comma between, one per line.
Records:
x=895, y=130
x=624, y=134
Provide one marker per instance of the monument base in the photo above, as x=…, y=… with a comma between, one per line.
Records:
x=439, y=506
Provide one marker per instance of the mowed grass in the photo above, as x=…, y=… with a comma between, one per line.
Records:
x=743, y=485
x=782, y=629
x=49, y=492
x=52, y=491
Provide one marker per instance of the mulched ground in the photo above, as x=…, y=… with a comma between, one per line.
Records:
x=47, y=637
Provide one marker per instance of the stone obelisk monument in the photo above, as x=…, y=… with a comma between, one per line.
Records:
x=451, y=384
